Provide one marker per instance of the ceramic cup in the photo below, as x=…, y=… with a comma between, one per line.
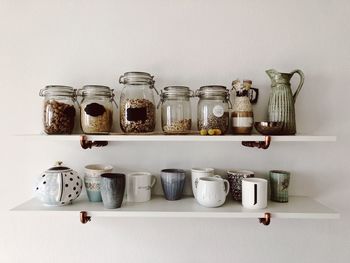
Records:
x=254, y=193
x=173, y=182
x=92, y=180
x=139, y=186
x=279, y=182
x=112, y=189
x=212, y=191
x=235, y=179
x=197, y=173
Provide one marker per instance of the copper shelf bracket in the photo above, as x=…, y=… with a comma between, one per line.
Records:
x=260, y=144
x=266, y=219
x=86, y=144
x=84, y=218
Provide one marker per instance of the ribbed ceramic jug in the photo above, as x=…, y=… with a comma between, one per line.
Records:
x=281, y=103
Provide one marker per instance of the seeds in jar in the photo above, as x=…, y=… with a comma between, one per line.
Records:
x=58, y=117
x=95, y=118
x=137, y=115
x=214, y=123
x=178, y=126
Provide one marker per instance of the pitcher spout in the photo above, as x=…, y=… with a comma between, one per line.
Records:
x=272, y=73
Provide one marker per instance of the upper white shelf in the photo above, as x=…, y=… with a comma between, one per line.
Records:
x=186, y=138
x=296, y=208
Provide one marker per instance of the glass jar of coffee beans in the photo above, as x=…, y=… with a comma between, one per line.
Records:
x=96, y=109
x=59, y=109
x=176, y=109
x=213, y=110
x=137, y=107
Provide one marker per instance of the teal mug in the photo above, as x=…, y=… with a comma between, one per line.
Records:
x=279, y=183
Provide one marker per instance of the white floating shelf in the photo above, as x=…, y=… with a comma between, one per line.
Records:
x=158, y=207
x=185, y=138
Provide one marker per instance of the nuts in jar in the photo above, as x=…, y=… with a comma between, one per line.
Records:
x=58, y=117
x=137, y=115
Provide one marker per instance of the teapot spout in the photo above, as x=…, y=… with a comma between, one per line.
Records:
x=271, y=73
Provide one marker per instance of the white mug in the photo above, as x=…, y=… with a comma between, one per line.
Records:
x=254, y=193
x=212, y=191
x=139, y=186
x=197, y=173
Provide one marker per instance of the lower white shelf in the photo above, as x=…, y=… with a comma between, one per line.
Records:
x=297, y=208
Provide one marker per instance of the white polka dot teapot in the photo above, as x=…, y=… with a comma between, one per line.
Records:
x=59, y=185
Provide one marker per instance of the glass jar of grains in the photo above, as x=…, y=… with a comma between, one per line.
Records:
x=137, y=107
x=96, y=109
x=176, y=109
x=59, y=109
x=213, y=109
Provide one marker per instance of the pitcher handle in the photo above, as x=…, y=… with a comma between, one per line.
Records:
x=301, y=83
x=227, y=190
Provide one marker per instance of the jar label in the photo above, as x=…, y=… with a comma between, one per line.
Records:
x=218, y=111
x=136, y=114
x=242, y=121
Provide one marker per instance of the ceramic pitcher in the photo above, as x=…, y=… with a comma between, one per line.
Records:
x=282, y=100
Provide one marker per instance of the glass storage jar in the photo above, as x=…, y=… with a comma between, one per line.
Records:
x=96, y=109
x=213, y=109
x=59, y=109
x=137, y=107
x=176, y=109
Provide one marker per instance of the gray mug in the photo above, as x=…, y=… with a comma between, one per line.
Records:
x=112, y=189
x=173, y=182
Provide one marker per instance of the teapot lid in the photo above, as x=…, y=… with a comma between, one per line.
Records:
x=58, y=168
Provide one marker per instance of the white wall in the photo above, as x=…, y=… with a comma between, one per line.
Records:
x=180, y=42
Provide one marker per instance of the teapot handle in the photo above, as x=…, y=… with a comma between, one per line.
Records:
x=302, y=77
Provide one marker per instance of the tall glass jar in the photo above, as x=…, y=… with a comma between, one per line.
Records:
x=176, y=109
x=213, y=109
x=59, y=109
x=96, y=109
x=137, y=107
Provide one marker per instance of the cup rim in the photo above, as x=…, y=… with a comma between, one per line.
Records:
x=172, y=170
x=243, y=171
x=279, y=172
x=202, y=170
x=98, y=167
x=211, y=179
x=136, y=174
x=112, y=175
x=254, y=180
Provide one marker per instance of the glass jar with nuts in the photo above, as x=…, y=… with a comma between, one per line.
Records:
x=59, y=109
x=213, y=110
x=137, y=108
x=96, y=109
x=176, y=109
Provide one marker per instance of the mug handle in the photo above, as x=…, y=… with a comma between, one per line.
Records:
x=154, y=181
x=227, y=186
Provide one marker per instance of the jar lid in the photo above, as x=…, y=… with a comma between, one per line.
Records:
x=58, y=90
x=212, y=90
x=96, y=90
x=58, y=168
x=136, y=77
x=176, y=91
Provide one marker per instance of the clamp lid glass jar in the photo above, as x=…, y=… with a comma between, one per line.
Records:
x=96, y=109
x=176, y=109
x=137, y=107
x=59, y=109
x=213, y=109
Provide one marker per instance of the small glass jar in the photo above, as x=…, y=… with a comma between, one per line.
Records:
x=213, y=109
x=96, y=109
x=137, y=107
x=176, y=109
x=59, y=109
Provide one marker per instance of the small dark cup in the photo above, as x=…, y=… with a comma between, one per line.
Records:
x=173, y=182
x=112, y=189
